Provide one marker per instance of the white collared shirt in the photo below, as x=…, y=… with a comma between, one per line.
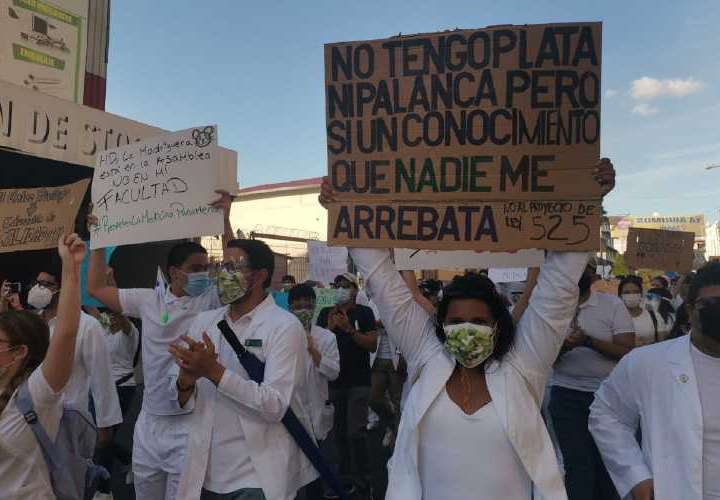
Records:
x=241, y=419
x=122, y=348
x=91, y=373
x=157, y=362
x=602, y=317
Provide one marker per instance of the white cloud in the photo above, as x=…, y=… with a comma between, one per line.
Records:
x=645, y=109
x=647, y=88
x=610, y=93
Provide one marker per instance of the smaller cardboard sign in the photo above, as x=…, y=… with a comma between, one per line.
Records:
x=660, y=250
x=158, y=189
x=508, y=275
x=430, y=260
x=34, y=219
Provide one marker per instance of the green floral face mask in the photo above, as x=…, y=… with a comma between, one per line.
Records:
x=305, y=316
x=469, y=344
x=232, y=286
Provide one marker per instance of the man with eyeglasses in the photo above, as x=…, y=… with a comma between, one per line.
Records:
x=672, y=391
x=91, y=372
x=354, y=327
x=238, y=448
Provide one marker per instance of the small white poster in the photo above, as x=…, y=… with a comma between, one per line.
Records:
x=158, y=189
x=508, y=275
x=421, y=260
x=326, y=262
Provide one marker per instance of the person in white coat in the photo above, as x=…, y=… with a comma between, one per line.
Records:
x=160, y=437
x=323, y=366
x=672, y=391
x=238, y=448
x=29, y=355
x=472, y=423
x=91, y=373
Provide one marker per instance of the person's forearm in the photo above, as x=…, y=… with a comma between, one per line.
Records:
x=367, y=340
x=608, y=349
x=58, y=360
x=522, y=303
x=97, y=270
x=186, y=388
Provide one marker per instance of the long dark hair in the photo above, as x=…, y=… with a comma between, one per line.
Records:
x=480, y=287
x=665, y=308
x=28, y=329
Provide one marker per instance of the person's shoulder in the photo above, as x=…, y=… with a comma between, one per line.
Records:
x=321, y=333
x=365, y=310
x=206, y=318
x=653, y=356
x=608, y=299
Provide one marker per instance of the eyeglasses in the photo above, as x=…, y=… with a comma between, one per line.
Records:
x=234, y=266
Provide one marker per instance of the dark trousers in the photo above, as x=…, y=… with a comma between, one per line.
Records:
x=107, y=456
x=585, y=475
x=385, y=378
x=345, y=444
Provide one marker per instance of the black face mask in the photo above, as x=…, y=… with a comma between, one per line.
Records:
x=710, y=320
x=585, y=283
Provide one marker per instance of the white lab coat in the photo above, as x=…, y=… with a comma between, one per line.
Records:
x=92, y=373
x=280, y=465
x=516, y=385
x=320, y=410
x=654, y=387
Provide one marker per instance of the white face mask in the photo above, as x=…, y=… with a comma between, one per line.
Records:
x=343, y=295
x=632, y=300
x=40, y=297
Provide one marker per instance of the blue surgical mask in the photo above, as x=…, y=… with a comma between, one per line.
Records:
x=197, y=283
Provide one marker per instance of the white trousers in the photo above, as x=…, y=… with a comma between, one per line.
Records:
x=159, y=450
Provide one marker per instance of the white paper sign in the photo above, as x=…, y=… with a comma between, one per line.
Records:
x=158, y=189
x=508, y=275
x=326, y=262
x=419, y=260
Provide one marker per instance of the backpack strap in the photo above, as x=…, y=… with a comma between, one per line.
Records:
x=655, y=323
x=256, y=370
x=24, y=403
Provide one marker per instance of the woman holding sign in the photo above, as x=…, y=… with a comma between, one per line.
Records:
x=472, y=424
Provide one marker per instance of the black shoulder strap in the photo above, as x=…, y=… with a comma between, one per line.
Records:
x=256, y=370
x=655, y=323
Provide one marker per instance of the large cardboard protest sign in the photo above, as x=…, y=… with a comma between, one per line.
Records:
x=474, y=139
x=158, y=189
x=422, y=260
x=34, y=219
x=661, y=250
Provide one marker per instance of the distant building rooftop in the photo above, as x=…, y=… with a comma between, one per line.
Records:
x=280, y=186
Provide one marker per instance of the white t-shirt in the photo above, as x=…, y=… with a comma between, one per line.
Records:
x=23, y=473
x=464, y=456
x=122, y=347
x=157, y=362
x=707, y=371
x=91, y=374
x=602, y=317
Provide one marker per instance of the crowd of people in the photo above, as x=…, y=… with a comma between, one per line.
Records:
x=563, y=393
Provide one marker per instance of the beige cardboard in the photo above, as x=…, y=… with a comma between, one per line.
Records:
x=493, y=226
x=661, y=250
x=35, y=218
x=405, y=123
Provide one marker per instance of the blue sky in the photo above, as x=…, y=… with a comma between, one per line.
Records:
x=256, y=69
